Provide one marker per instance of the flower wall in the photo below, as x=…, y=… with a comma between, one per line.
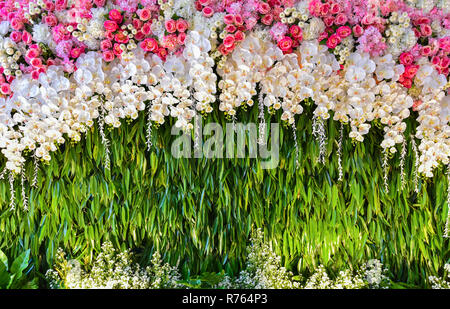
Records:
x=66, y=64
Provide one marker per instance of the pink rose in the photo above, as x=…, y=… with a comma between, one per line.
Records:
x=267, y=19
x=139, y=35
x=149, y=44
x=182, y=25
x=285, y=44
x=263, y=8
x=5, y=88
x=323, y=36
x=238, y=20
x=144, y=14
x=436, y=60
x=105, y=44
x=36, y=62
x=344, y=31
x=230, y=28
x=16, y=36
x=171, y=26
x=181, y=38
x=99, y=3
x=76, y=52
x=335, y=8
x=26, y=37
x=110, y=25
x=239, y=36
x=16, y=24
x=333, y=41
x=425, y=30
x=121, y=38
x=117, y=50
x=324, y=9
x=146, y=29
x=410, y=71
x=228, y=40
x=35, y=74
x=51, y=20
x=295, y=31
x=32, y=53
x=358, y=30
x=137, y=23
x=207, y=11
x=425, y=51
x=329, y=21
x=108, y=55
x=341, y=19
x=223, y=50
x=406, y=58
x=115, y=16
x=228, y=19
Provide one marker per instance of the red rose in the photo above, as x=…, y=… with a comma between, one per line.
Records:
x=410, y=71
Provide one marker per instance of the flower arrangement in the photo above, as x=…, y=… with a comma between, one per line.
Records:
x=66, y=63
x=112, y=270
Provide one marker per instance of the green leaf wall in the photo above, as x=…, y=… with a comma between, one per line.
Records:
x=199, y=213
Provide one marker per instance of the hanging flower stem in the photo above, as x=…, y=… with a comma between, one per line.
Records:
x=12, y=203
x=402, y=165
x=36, y=169
x=297, y=151
x=319, y=133
x=24, y=195
x=416, y=165
x=262, y=121
x=149, y=129
x=105, y=140
x=385, y=169
x=447, y=222
x=339, y=152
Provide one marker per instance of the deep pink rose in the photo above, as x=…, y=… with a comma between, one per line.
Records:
x=110, y=25
x=333, y=41
x=406, y=58
x=115, y=16
x=344, y=31
x=285, y=43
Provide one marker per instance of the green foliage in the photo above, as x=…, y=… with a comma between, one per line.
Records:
x=14, y=276
x=200, y=212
